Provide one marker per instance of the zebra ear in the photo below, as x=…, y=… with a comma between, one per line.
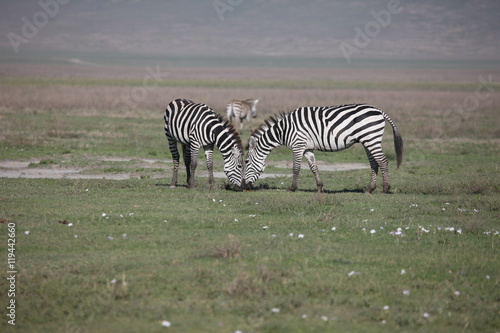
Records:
x=235, y=150
x=252, y=143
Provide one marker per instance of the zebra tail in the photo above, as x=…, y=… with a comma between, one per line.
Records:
x=398, y=140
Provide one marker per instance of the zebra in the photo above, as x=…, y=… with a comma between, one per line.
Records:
x=196, y=125
x=241, y=110
x=331, y=128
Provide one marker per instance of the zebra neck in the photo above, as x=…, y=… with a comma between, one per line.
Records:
x=224, y=140
x=270, y=139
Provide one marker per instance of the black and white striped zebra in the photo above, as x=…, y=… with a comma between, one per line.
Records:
x=196, y=125
x=241, y=110
x=331, y=128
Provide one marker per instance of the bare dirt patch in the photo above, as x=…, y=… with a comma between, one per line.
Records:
x=24, y=169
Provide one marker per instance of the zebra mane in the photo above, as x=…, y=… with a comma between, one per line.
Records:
x=257, y=133
x=231, y=130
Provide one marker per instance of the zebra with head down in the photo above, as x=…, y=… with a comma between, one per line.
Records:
x=196, y=125
x=331, y=128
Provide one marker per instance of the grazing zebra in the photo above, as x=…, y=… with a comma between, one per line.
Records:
x=196, y=125
x=241, y=110
x=331, y=128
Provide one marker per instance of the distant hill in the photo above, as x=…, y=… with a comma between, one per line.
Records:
x=416, y=29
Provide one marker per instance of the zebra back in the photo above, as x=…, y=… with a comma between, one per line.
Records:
x=242, y=109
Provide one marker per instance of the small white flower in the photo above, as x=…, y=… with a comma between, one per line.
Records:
x=76, y=236
x=110, y=237
x=334, y=228
x=488, y=277
x=406, y=292
x=304, y=316
x=383, y=321
x=121, y=215
x=275, y=310
x=235, y=220
x=459, y=231
x=372, y=210
x=165, y=221
x=386, y=307
x=252, y=215
x=301, y=235
x=325, y=318
x=220, y=200
x=352, y=273
x=130, y=214
x=103, y=214
x=457, y=293
x=426, y=315
x=166, y=323
x=112, y=281
x=124, y=236
x=413, y=205
x=373, y=231
x=403, y=271
x=476, y=210
x=86, y=190
x=70, y=224
x=27, y=232
x=290, y=234
x=265, y=227
x=423, y=229
x=214, y=200
x=238, y=331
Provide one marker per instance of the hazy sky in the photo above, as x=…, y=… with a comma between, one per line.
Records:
x=462, y=29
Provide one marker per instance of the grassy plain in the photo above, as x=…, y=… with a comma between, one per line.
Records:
x=101, y=255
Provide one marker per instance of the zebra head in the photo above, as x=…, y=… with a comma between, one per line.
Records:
x=254, y=163
x=253, y=106
x=233, y=166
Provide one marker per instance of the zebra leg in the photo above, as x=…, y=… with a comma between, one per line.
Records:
x=195, y=148
x=297, y=159
x=311, y=160
x=209, y=152
x=384, y=166
x=175, y=157
x=378, y=160
x=374, y=167
x=186, y=155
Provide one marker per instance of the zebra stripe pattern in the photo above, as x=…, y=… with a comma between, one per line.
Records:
x=331, y=128
x=196, y=125
x=241, y=110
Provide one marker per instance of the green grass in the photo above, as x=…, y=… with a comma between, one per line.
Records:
x=104, y=255
x=201, y=260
